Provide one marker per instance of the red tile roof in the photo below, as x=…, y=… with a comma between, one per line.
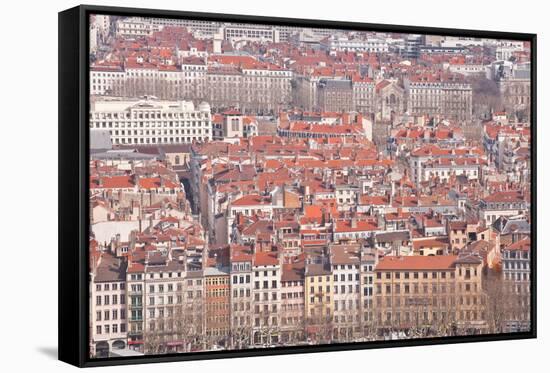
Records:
x=266, y=259
x=346, y=226
x=112, y=182
x=155, y=182
x=251, y=200
x=521, y=245
x=417, y=262
x=511, y=196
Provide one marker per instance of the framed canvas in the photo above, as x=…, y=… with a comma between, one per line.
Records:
x=233, y=186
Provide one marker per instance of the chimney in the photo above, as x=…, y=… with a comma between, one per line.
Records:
x=354, y=222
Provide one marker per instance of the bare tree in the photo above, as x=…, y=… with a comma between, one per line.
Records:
x=241, y=326
x=497, y=301
x=153, y=343
x=485, y=95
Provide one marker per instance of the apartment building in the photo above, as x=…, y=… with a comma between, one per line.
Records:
x=217, y=305
x=134, y=27
x=346, y=272
x=369, y=260
x=449, y=96
x=165, y=304
x=267, y=271
x=319, y=303
x=241, y=295
x=429, y=294
x=363, y=91
x=508, y=203
x=335, y=95
x=516, y=271
x=108, y=305
x=293, y=301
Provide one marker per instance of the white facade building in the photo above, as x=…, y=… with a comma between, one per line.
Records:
x=266, y=271
x=108, y=306
x=107, y=80
x=347, y=291
x=152, y=121
x=371, y=45
x=134, y=27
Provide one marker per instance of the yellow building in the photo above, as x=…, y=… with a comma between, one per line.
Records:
x=318, y=301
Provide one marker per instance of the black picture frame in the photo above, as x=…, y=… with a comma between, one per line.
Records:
x=73, y=272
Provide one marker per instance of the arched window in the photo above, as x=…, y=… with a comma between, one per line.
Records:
x=177, y=159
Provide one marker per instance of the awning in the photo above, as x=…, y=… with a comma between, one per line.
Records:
x=174, y=343
x=312, y=329
x=135, y=342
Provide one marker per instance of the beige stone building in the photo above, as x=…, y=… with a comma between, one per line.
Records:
x=165, y=303
x=363, y=94
x=429, y=295
x=449, y=96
